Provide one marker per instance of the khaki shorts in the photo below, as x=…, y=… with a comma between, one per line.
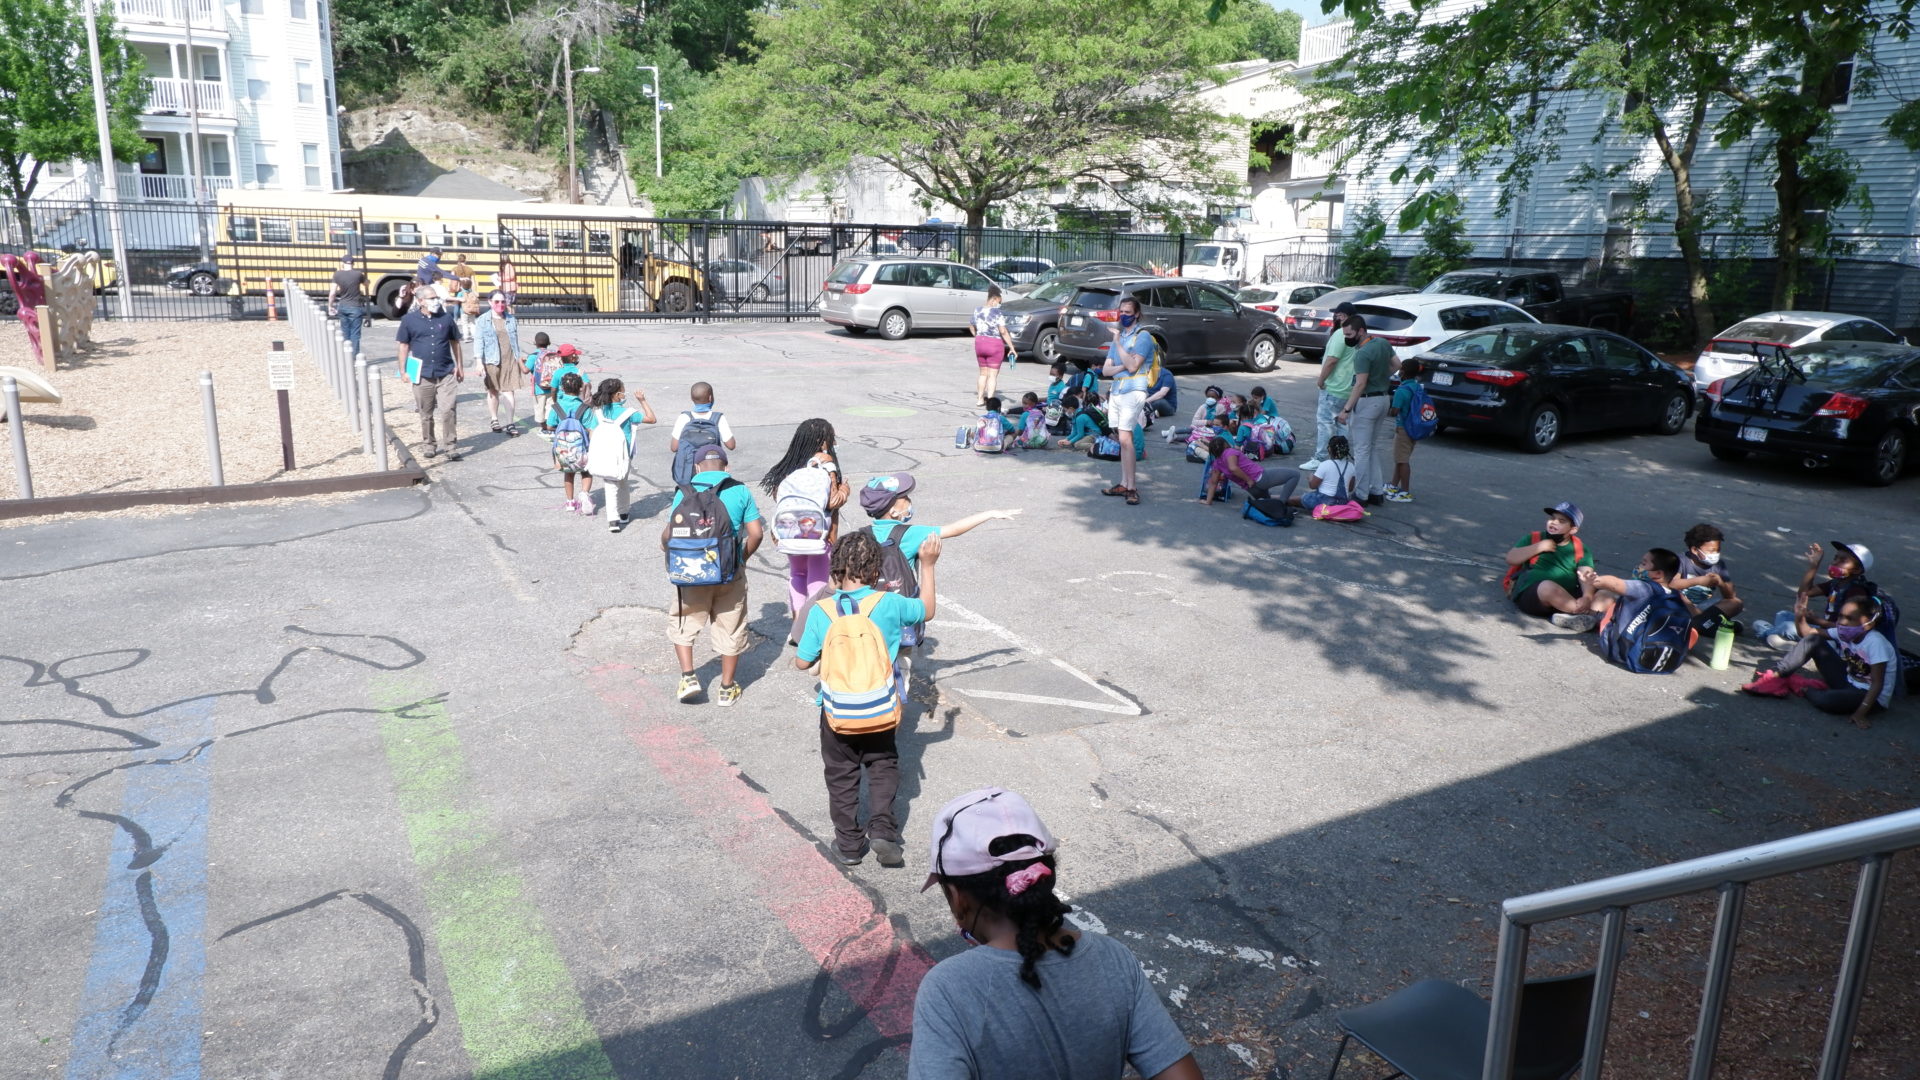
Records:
x=721, y=607
x=1402, y=446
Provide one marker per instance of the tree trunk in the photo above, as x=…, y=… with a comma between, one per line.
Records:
x=19, y=195
x=23, y=217
x=1787, y=190
x=1686, y=220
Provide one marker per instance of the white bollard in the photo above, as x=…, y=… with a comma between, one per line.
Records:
x=362, y=402
x=213, y=429
x=22, y=472
x=379, y=408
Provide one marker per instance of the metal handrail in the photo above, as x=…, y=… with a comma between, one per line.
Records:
x=1872, y=843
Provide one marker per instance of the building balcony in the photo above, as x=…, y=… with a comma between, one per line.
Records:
x=185, y=96
x=205, y=14
x=1324, y=43
x=168, y=187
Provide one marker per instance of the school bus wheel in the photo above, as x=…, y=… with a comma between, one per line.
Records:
x=388, y=296
x=676, y=297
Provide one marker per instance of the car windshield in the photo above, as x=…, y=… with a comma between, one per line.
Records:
x=1256, y=296
x=1095, y=298
x=846, y=273
x=1494, y=346
x=1052, y=292
x=1762, y=330
x=1487, y=285
x=1844, y=367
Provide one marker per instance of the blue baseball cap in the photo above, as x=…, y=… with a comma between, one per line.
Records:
x=1569, y=510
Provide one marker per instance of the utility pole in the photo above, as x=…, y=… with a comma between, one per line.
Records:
x=193, y=116
x=658, y=106
x=566, y=64
x=110, y=182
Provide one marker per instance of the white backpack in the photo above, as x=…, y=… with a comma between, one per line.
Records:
x=800, y=516
x=608, y=454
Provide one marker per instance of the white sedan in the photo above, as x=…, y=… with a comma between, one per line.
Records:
x=1415, y=322
x=1282, y=294
x=1741, y=345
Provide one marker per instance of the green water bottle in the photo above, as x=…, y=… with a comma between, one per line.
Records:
x=1722, y=644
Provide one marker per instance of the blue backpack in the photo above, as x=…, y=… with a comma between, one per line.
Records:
x=701, y=431
x=1655, y=641
x=702, y=548
x=1420, y=418
x=570, y=439
x=1105, y=447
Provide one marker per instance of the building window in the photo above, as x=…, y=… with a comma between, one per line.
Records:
x=154, y=161
x=210, y=67
x=310, y=160
x=259, y=87
x=1840, y=84
x=303, y=81
x=297, y=8
x=218, y=161
x=265, y=172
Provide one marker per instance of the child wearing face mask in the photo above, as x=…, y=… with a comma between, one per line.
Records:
x=1203, y=415
x=1857, y=665
x=1704, y=574
x=1816, y=606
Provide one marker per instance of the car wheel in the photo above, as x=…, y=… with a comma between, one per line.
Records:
x=1047, y=346
x=388, y=298
x=856, y=331
x=1726, y=453
x=676, y=298
x=1542, y=432
x=1889, y=458
x=895, y=324
x=758, y=294
x=1262, y=354
x=1673, y=414
x=200, y=284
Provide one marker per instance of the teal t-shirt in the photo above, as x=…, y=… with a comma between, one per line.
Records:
x=892, y=615
x=911, y=537
x=738, y=499
x=564, y=405
x=1402, y=397
x=562, y=372
x=1268, y=411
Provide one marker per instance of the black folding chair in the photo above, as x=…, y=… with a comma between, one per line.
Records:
x=1437, y=1030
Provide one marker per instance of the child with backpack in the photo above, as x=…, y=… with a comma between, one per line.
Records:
x=853, y=636
x=1203, y=417
x=564, y=418
x=540, y=364
x=1418, y=419
x=564, y=361
x=713, y=528
x=1646, y=625
x=1543, y=570
x=611, y=425
x=1265, y=411
x=1816, y=605
x=808, y=490
x=1032, y=419
x=1229, y=467
x=994, y=431
x=1333, y=482
x=1089, y=421
x=697, y=427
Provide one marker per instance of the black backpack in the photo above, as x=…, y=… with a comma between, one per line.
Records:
x=702, y=548
x=897, y=576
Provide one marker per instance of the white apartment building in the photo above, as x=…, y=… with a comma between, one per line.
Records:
x=241, y=94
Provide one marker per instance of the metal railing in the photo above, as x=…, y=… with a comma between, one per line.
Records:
x=188, y=95
x=1319, y=44
x=168, y=11
x=1872, y=843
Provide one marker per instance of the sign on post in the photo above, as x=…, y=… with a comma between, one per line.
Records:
x=280, y=380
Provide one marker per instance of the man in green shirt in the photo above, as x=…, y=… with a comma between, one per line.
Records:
x=1547, y=566
x=1336, y=378
x=1367, y=410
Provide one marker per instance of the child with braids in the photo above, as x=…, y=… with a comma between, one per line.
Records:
x=809, y=468
x=1034, y=998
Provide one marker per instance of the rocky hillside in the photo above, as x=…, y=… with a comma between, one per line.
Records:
x=399, y=149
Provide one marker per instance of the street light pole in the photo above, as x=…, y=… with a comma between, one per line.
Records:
x=110, y=183
x=654, y=93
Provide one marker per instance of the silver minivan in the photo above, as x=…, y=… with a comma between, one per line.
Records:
x=900, y=295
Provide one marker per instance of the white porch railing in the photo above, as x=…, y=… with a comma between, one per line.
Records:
x=1319, y=44
x=168, y=11
x=184, y=95
x=167, y=187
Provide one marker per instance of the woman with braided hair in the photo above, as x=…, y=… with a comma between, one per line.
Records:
x=1035, y=999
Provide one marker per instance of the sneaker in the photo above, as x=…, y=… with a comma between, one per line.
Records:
x=845, y=859
x=1768, y=684
x=1398, y=496
x=586, y=508
x=887, y=852
x=433, y=452
x=1579, y=624
x=1739, y=628
x=729, y=693
x=545, y=434
x=1376, y=500
x=1761, y=628
x=571, y=506
x=689, y=687
x=1780, y=642
x=616, y=526
x=453, y=455
x=1311, y=464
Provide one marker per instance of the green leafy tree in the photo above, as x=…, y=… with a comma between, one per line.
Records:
x=1364, y=259
x=1266, y=32
x=46, y=94
x=1444, y=246
x=976, y=104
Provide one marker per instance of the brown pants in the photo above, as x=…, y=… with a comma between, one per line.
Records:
x=435, y=400
x=844, y=756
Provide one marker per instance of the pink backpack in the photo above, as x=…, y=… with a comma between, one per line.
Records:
x=1346, y=511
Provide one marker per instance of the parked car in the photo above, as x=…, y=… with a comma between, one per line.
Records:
x=1020, y=268
x=1415, y=322
x=1538, y=382
x=1282, y=294
x=932, y=236
x=1308, y=325
x=1855, y=404
x=1195, y=322
x=1033, y=320
x=1740, y=346
x=900, y=295
x=740, y=279
x=999, y=278
x=1085, y=266
x=1541, y=295
x=200, y=279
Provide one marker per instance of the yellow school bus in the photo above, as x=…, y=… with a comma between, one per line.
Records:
x=583, y=258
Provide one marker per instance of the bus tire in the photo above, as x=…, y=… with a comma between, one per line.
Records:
x=676, y=298
x=387, y=297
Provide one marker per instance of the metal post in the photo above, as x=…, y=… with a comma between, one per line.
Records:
x=566, y=62
x=1503, y=1025
x=22, y=472
x=357, y=388
x=109, y=178
x=1613, y=934
x=213, y=429
x=1713, y=1000
x=362, y=402
x=377, y=404
x=1853, y=965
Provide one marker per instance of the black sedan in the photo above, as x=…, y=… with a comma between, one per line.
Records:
x=1309, y=325
x=200, y=279
x=1033, y=320
x=1850, y=403
x=1537, y=382
x=1082, y=267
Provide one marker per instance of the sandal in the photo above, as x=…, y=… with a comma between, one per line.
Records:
x=1115, y=490
x=1133, y=497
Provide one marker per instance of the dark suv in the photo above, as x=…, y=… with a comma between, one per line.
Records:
x=1195, y=322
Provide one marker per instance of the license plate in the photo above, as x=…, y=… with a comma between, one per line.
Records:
x=1443, y=378
x=1753, y=434
x=1073, y=320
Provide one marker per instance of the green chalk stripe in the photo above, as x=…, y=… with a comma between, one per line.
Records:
x=520, y=1015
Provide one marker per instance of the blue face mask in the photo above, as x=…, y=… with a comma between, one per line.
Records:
x=906, y=517
x=1640, y=575
x=1127, y=320
x=701, y=407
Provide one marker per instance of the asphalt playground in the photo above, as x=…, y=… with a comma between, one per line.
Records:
x=394, y=785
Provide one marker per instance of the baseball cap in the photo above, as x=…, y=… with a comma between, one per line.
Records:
x=1568, y=509
x=968, y=826
x=711, y=452
x=569, y=350
x=1858, y=551
x=877, y=497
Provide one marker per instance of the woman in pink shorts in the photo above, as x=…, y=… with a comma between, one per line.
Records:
x=992, y=345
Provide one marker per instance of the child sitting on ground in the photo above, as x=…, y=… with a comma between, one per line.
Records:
x=1333, y=479
x=1703, y=574
x=1817, y=606
x=1858, y=666
x=1264, y=409
x=1032, y=422
x=1090, y=421
x=1202, y=416
x=1230, y=466
x=995, y=430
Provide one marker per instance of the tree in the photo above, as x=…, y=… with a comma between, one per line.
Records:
x=1444, y=247
x=46, y=95
x=976, y=104
x=1364, y=260
x=1266, y=32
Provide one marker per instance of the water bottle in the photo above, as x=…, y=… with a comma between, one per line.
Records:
x=1722, y=644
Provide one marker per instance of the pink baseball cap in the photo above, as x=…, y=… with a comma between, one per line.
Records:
x=967, y=826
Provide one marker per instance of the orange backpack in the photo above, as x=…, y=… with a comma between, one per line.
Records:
x=1513, y=572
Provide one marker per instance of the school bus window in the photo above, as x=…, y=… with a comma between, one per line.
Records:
x=341, y=231
x=406, y=235
x=438, y=236
x=566, y=239
x=276, y=230
x=538, y=241
x=377, y=232
x=469, y=238
x=311, y=230
x=242, y=229
x=598, y=242
x=498, y=240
